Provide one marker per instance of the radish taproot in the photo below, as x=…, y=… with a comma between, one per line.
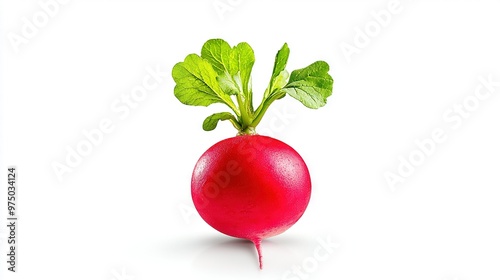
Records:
x=248, y=186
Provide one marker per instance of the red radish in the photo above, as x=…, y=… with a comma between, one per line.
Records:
x=248, y=186
x=251, y=187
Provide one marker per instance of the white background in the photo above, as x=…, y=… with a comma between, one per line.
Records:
x=125, y=211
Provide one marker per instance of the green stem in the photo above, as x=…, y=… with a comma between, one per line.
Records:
x=261, y=110
x=249, y=103
x=245, y=119
x=233, y=107
x=264, y=98
x=235, y=123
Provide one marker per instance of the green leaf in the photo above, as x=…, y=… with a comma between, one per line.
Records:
x=196, y=83
x=222, y=74
x=280, y=60
x=281, y=80
x=230, y=63
x=243, y=58
x=280, y=75
x=233, y=65
x=311, y=85
x=210, y=123
x=230, y=84
x=218, y=53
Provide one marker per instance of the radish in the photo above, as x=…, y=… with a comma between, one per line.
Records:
x=251, y=187
x=248, y=186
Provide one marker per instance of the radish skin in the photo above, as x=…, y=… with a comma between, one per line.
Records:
x=251, y=187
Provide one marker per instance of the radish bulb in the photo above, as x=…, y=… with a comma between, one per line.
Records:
x=248, y=186
x=251, y=187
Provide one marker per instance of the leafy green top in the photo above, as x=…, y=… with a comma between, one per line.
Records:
x=222, y=75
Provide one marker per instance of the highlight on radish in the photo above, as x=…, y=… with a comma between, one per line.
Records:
x=248, y=186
